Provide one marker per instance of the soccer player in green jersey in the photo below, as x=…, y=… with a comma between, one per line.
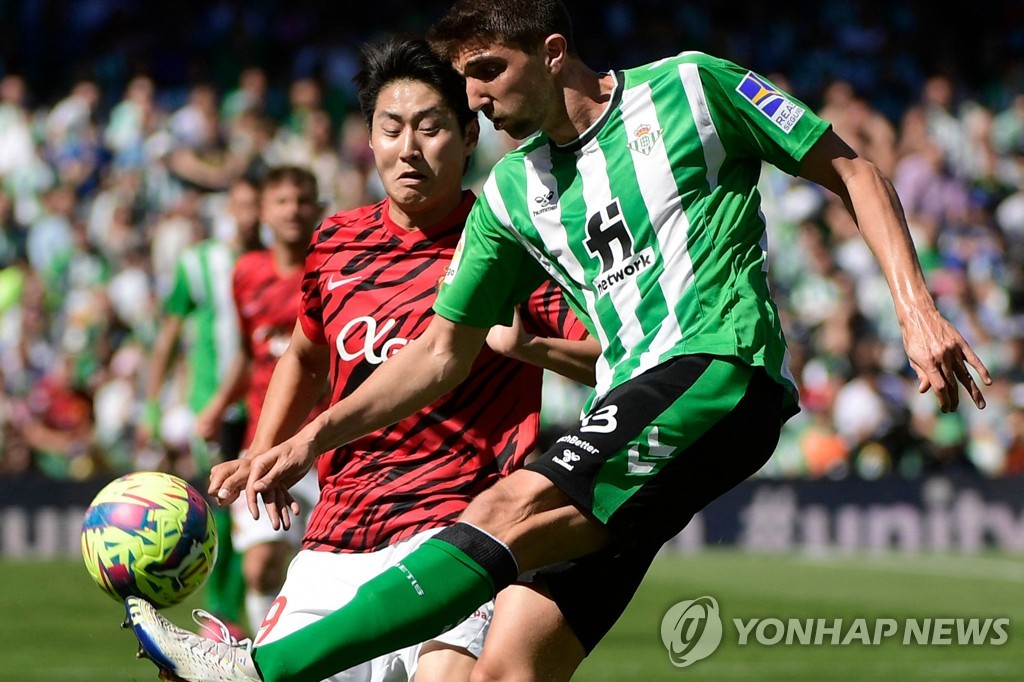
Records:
x=639, y=197
x=200, y=307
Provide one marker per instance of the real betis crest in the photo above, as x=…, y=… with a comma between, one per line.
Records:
x=644, y=139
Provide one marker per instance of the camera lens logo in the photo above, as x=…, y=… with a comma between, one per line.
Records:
x=691, y=631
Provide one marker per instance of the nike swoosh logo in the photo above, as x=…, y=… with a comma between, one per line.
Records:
x=333, y=284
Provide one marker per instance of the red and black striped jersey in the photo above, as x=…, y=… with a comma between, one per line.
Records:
x=368, y=290
x=268, y=305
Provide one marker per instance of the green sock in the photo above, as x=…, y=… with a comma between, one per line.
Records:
x=430, y=591
x=225, y=588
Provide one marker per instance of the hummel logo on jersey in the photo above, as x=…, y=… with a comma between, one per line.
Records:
x=333, y=284
x=545, y=202
x=770, y=101
x=644, y=139
x=567, y=460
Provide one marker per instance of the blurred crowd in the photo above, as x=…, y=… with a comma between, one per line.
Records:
x=959, y=170
x=106, y=178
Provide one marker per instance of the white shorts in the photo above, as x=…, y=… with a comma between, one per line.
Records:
x=320, y=583
x=247, y=532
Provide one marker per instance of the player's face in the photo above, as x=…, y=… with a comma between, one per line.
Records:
x=244, y=207
x=419, y=149
x=291, y=212
x=510, y=87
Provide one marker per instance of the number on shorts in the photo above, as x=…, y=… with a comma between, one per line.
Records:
x=601, y=421
x=270, y=620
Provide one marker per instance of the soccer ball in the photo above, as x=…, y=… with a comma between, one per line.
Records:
x=150, y=535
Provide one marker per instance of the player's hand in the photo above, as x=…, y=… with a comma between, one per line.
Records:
x=940, y=356
x=142, y=436
x=148, y=428
x=208, y=422
x=228, y=479
x=271, y=474
x=508, y=340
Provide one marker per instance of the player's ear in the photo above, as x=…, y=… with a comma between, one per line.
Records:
x=556, y=49
x=472, y=136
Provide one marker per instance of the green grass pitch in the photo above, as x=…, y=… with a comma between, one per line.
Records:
x=57, y=625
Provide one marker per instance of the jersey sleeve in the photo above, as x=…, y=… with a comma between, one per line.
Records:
x=547, y=313
x=311, y=314
x=179, y=302
x=752, y=113
x=490, y=273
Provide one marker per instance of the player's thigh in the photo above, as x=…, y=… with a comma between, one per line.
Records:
x=450, y=655
x=529, y=639
x=592, y=592
x=538, y=522
x=443, y=663
x=317, y=584
x=661, y=446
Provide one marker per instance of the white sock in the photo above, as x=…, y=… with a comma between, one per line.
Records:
x=256, y=607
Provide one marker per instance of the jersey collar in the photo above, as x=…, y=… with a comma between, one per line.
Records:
x=595, y=127
x=453, y=222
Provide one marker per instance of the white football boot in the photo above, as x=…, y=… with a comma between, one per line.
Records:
x=187, y=655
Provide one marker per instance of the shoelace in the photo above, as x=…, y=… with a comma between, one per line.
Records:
x=216, y=627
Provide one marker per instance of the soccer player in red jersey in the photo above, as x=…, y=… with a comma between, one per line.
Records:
x=693, y=380
x=370, y=283
x=267, y=290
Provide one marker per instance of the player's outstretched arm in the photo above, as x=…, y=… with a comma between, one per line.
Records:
x=413, y=378
x=936, y=350
x=298, y=382
x=164, y=351
x=231, y=389
x=571, y=358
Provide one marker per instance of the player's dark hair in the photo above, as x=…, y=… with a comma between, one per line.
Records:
x=522, y=24
x=294, y=175
x=247, y=181
x=412, y=60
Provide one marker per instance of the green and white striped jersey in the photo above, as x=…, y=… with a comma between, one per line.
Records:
x=650, y=221
x=202, y=295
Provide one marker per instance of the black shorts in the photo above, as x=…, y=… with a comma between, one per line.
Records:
x=647, y=457
x=232, y=435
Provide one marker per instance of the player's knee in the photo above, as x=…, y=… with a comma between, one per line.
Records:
x=489, y=669
x=503, y=669
x=501, y=506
